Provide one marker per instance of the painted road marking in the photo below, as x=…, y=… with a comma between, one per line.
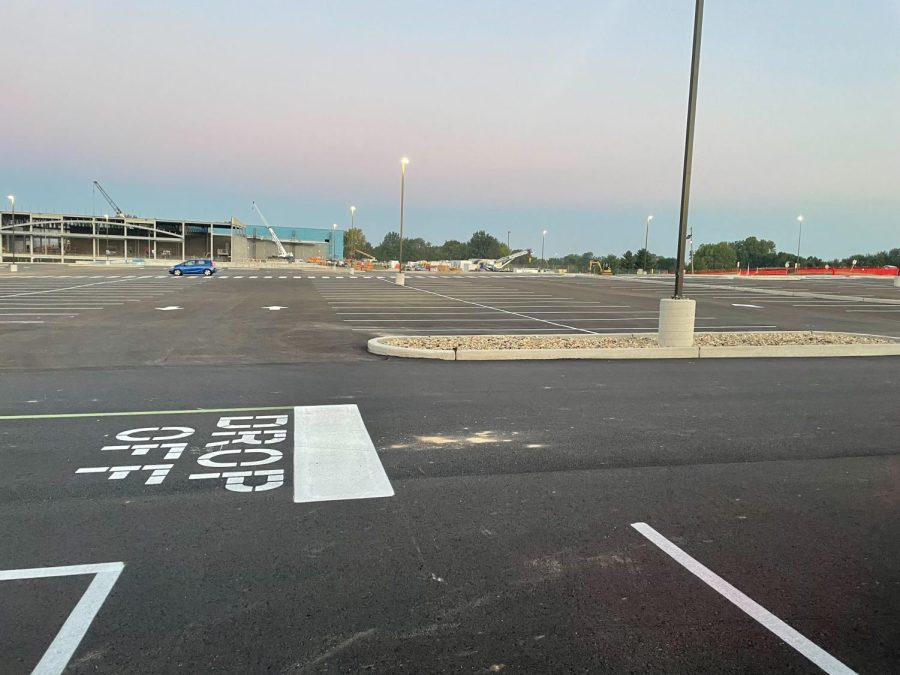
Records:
x=132, y=413
x=274, y=308
x=334, y=457
x=169, y=308
x=60, y=651
x=765, y=618
x=737, y=304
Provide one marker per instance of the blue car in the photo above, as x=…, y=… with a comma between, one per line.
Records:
x=202, y=266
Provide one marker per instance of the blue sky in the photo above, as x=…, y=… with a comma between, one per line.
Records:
x=518, y=116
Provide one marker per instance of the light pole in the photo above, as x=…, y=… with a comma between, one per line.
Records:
x=352, y=225
x=12, y=222
x=646, y=241
x=507, y=241
x=106, y=218
x=677, y=314
x=799, y=237
x=401, y=279
x=543, y=237
x=333, y=235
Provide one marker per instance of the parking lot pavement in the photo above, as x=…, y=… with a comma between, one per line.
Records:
x=261, y=316
x=493, y=303
x=31, y=299
x=509, y=543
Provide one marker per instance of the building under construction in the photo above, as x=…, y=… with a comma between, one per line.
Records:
x=58, y=237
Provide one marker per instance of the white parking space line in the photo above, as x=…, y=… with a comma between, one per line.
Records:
x=334, y=457
x=504, y=311
x=757, y=612
x=874, y=310
x=75, y=627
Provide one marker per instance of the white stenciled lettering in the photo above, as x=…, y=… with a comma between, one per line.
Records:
x=158, y=472
x=210, y=459
x=249, y=437
x=252, y=422
x=173, y=450
x=236, y=481
x=154, y=434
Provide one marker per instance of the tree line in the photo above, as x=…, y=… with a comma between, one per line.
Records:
x=723, y=255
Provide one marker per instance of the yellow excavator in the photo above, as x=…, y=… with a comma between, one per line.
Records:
x=602, y=268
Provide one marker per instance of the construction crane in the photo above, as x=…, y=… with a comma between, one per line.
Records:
x=363, y=254
x=498, y=264
x=282, y=253
x=109, y=200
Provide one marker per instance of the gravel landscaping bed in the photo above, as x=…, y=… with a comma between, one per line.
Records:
x=759, y=339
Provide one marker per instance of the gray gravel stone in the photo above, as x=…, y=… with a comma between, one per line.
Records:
x=759, y=339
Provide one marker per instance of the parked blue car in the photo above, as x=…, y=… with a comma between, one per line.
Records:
x=202, y=266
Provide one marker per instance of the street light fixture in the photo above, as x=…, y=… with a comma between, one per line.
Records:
x=333, y=249
x=799, y=237
x=646, y=241
x=543, y=237
x=401, y=280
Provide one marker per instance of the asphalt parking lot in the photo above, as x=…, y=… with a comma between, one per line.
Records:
x=226, y=486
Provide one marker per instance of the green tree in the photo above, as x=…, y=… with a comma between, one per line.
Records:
x=484, y=245
x=756, y=252
x=354, y=239
x=454, y=250
x=721, y=256
x=389, y=248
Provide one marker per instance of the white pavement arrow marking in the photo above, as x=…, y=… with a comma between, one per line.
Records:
x=737, y=304
x=169, y=308
x=274, y=308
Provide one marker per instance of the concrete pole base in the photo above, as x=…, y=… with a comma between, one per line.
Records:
x=676, y=322
x=15, y=268
x=400, y=279
x=896, y=282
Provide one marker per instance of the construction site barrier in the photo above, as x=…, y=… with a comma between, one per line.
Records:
x=809, y=271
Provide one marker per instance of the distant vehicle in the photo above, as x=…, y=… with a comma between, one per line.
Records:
x=203, y=266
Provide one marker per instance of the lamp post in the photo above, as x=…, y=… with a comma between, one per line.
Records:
x=799, y=237
x=507, y=240
x=543, y=237
x=677, y=314
x=12, y=222
x=106, y=218
x=333, y=250
x=401, y=279
x=646, y=241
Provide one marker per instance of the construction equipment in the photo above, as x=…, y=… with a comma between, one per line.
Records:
x=602, y=268
x=363, y=254
x=109, y=200
x=282, y=252
x=498, y=264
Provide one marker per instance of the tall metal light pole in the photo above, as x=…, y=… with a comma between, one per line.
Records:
x=333, y=250
x=106, y=218
x=543, y=237
x=688, y=150
x=677, y=314
x=646, y=241
x=507, y=240
x=403, y=163
x=799, y=237
x=12, y=222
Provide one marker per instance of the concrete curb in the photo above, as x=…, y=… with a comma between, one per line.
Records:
x=376, y=346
